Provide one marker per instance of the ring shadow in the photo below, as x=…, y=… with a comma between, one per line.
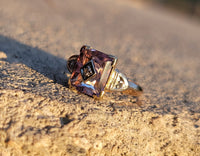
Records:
x=41, y=61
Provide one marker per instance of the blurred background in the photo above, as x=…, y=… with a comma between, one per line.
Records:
x=187, y=7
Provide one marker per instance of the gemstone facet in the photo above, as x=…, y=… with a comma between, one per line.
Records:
x=88, y=70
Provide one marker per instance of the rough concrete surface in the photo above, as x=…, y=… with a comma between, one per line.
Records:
x=40, y=115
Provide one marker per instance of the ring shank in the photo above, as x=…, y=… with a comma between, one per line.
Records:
x=133, y=89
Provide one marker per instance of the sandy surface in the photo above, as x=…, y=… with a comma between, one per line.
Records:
x=39, y=115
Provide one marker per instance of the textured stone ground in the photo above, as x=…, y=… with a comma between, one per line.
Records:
x=39, y=115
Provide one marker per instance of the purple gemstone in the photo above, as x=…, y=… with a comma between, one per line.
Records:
x=91, y=71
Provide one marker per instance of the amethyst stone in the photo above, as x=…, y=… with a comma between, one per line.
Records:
x=91, y=71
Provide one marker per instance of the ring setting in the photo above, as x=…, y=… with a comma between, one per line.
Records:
x=93, y=73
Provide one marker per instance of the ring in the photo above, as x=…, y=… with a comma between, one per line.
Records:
x=93, y=73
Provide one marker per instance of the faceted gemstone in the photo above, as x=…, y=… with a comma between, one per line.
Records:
x=91, y=71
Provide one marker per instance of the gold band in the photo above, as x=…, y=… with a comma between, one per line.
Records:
x=133, y=89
